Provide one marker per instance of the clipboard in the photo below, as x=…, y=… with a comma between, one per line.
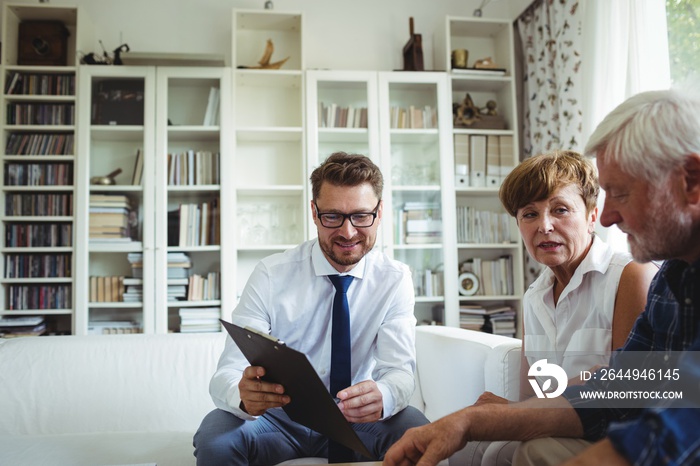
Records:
x=311, y=405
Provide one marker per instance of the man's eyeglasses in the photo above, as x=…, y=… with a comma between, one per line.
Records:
x=358, y=219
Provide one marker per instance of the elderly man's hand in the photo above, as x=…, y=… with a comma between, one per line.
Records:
x=258, y=396
x=361, y=402
x=429, y=444
x=488, y=398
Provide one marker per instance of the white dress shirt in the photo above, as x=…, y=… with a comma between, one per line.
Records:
x=576, y=334
x=289, y=296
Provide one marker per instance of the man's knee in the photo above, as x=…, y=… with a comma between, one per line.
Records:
x=216, y=440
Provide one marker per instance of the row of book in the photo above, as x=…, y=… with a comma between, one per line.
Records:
x=40, y=144
x=108, y=289
x=428, y=282
x=481, y=160
x=39, y=84
x=413, y=117
x=45, y=205
x=25, y=297
x=24, y=326
x=40, y=114
x=194, y=224
x=336, y=116
x=203, y=288
x=193, y=168
x=492, y=276
x=419, y=223
x=38, y=265
x=494, y=318
x=38, y=174
x=482, y=226
x=38, y=235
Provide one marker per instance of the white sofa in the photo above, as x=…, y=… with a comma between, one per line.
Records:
x=132, y=399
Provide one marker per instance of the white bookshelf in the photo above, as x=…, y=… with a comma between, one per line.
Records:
x=482, y=38
x=419, y=183
x=46, y=289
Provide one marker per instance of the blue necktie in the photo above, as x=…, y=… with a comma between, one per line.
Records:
x=340, y=335
x=340, y=356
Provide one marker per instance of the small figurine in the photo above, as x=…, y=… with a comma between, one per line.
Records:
x=466, y=113
x=490, y=108
x=485, y=63
x=264, y=62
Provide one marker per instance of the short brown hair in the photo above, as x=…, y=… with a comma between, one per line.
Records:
x=342, y=169
x=537, y=177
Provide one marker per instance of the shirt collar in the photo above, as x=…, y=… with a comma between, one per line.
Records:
x=677, y=272
x=323, y=267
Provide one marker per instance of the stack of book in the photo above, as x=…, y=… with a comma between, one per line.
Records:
x=501, y=322
x=133, y=286
x=111, y=327
x=202, y=319
x=178, y=263
x=491, y=318
x=420, y=223
x=109, y=218
x=11, y=327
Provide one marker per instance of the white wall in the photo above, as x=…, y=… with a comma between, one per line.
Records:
x=339, y=34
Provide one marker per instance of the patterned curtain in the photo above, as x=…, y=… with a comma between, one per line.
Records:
x=550, y=35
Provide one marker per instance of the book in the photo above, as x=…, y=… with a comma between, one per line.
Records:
x=212, y=111
x=479, y=71
x=137, y=176
x=477, y=153
x=493, y=165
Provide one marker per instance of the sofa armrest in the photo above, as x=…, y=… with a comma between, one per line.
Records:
x=455, y=366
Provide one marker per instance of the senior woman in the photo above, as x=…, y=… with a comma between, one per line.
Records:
x=585, y=301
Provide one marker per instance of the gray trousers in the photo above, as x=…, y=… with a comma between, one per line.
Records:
x=224, y=439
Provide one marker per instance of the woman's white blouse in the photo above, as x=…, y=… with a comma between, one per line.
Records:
x=577, y=333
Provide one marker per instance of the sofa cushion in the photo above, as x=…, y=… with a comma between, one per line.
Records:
x=458, y=365
x=112, y=383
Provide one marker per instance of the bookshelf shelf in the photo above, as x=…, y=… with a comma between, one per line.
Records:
x=185, y=304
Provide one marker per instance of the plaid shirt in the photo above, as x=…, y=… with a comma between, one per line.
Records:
x=670, y=322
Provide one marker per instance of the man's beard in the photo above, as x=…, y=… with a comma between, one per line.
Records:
x=366, y=244
x=669, y=229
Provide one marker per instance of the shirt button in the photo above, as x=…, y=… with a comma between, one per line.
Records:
x=323, y=372
x=665, y=357
x=688, y=301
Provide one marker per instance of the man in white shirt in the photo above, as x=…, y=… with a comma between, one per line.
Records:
x=291, y=296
